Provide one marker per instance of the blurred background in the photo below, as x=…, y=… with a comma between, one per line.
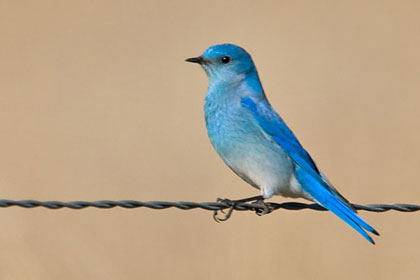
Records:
x=96, y=102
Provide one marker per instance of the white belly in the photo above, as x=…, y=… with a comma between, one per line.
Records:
x=264, y=165
x=252, y=155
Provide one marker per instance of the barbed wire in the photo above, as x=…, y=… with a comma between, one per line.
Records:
x=187, y=205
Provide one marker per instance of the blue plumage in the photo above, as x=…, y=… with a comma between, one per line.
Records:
x=255, y=142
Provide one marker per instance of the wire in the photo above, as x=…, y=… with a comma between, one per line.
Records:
x=185, y=205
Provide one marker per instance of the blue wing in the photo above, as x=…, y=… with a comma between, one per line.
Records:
x=306, y=171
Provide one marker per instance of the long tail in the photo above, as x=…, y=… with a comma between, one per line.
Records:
x=323, y=196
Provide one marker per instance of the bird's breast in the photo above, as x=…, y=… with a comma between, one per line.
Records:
x=241, y=143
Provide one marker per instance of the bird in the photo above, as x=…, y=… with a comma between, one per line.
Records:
x=255, y=142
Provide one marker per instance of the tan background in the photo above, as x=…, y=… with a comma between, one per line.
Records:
x=96, y=102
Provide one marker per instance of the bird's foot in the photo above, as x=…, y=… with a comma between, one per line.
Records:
x=259, y=200
x=227, y=215
x=264, y=207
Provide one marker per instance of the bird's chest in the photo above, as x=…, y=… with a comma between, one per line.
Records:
x=242, y=145
x=230, y=129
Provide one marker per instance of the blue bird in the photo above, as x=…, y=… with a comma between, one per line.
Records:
x=256, y=143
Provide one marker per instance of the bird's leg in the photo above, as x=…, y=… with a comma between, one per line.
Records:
x=233, y=203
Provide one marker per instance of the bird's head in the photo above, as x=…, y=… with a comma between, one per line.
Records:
x=225, y=62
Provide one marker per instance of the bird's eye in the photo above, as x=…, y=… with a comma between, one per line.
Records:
x=226, y=59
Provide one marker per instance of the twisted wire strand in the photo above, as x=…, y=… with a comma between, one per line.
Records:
x=186, y=205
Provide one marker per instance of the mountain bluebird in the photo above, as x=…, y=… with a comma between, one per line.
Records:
x=254, y=141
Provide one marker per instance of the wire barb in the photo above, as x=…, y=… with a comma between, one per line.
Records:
x=186, y=205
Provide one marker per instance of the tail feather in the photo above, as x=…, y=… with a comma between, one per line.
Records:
x=324, y=197
x=349, y=213
x=352, y=220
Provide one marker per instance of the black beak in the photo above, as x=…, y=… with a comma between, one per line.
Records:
x=198, y=60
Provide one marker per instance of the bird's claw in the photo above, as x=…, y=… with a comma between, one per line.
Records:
x=227, y=215
x=258, y=200
x=264, y=208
